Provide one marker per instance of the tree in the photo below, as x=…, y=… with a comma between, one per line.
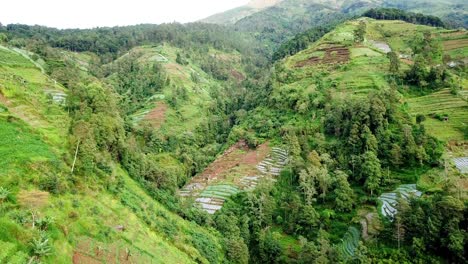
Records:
x=307, y=183
x=269, y=247
x=360, y=32
x=324, y=246
x=371, y=171
x=418, y=73
x=394, y=62
x=3, y=38
x=361, y=254
x=344, y=194
x=324, y=180
x=308, y=253
x=237, y=251
x=420, y=118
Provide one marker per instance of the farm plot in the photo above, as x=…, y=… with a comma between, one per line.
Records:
x=452, y=108
x=57, y=97
x=461, y=164
x=238, y=169
x=350, y=242
x=390, y=200
x=275, y=162
x=332, y=54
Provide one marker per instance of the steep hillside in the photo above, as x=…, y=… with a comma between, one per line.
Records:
x=366, y=143
x=365, y=68
x=40, y=214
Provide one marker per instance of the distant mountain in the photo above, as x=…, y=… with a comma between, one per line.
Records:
x=276, y=21
x=236, y=14
x=259, y=4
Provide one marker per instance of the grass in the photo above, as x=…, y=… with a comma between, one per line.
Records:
x=25, y=86
x=20, y=149
x=33, y=139
x=441, y=102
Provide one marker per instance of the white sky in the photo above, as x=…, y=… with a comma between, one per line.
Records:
x=93, y=13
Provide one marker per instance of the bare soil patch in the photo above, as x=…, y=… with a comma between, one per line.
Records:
x=333, y=55
x=455, y=44
x=237, y=75
x=157, y=116
x=237, y=155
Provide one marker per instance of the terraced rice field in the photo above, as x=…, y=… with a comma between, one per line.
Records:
x=350, y=242
x=390, y=200
x=461, y=164
x=445, y=103
x=238, y=169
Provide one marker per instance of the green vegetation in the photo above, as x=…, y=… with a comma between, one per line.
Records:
x=185, y=144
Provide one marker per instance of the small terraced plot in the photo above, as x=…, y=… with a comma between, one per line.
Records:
x=350, y=242
x=238, y=169
x=157, y=115
x=334, y=54
x=390, y=200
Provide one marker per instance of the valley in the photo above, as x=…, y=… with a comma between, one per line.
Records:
x=278, y=132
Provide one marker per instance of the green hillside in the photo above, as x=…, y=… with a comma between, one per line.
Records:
x=190, y=143
x=356, y=126
x=72, y=218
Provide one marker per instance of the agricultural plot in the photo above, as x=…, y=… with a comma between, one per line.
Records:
x=275, y=162
x=332, y=54
x=461, y=164
x=370, y=222
x=32, y=96
x=57, y=97
x=390, y=200
x=350, y=242
x=238, y=169
x=446, y=113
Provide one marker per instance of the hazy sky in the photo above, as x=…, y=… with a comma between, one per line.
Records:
x=93, y=13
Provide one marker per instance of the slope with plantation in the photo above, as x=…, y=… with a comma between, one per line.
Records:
x=363, y=148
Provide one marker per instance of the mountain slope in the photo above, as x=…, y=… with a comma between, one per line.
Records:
x=355, y=129
x=236, y=14
x=105, y=222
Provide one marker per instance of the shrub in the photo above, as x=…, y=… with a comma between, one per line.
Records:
x=41, y=247
x=206, y=247
x=4, y=194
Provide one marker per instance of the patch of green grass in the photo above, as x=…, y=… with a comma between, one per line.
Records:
x=20, y=147
x=366, y=52
x=13, y=59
